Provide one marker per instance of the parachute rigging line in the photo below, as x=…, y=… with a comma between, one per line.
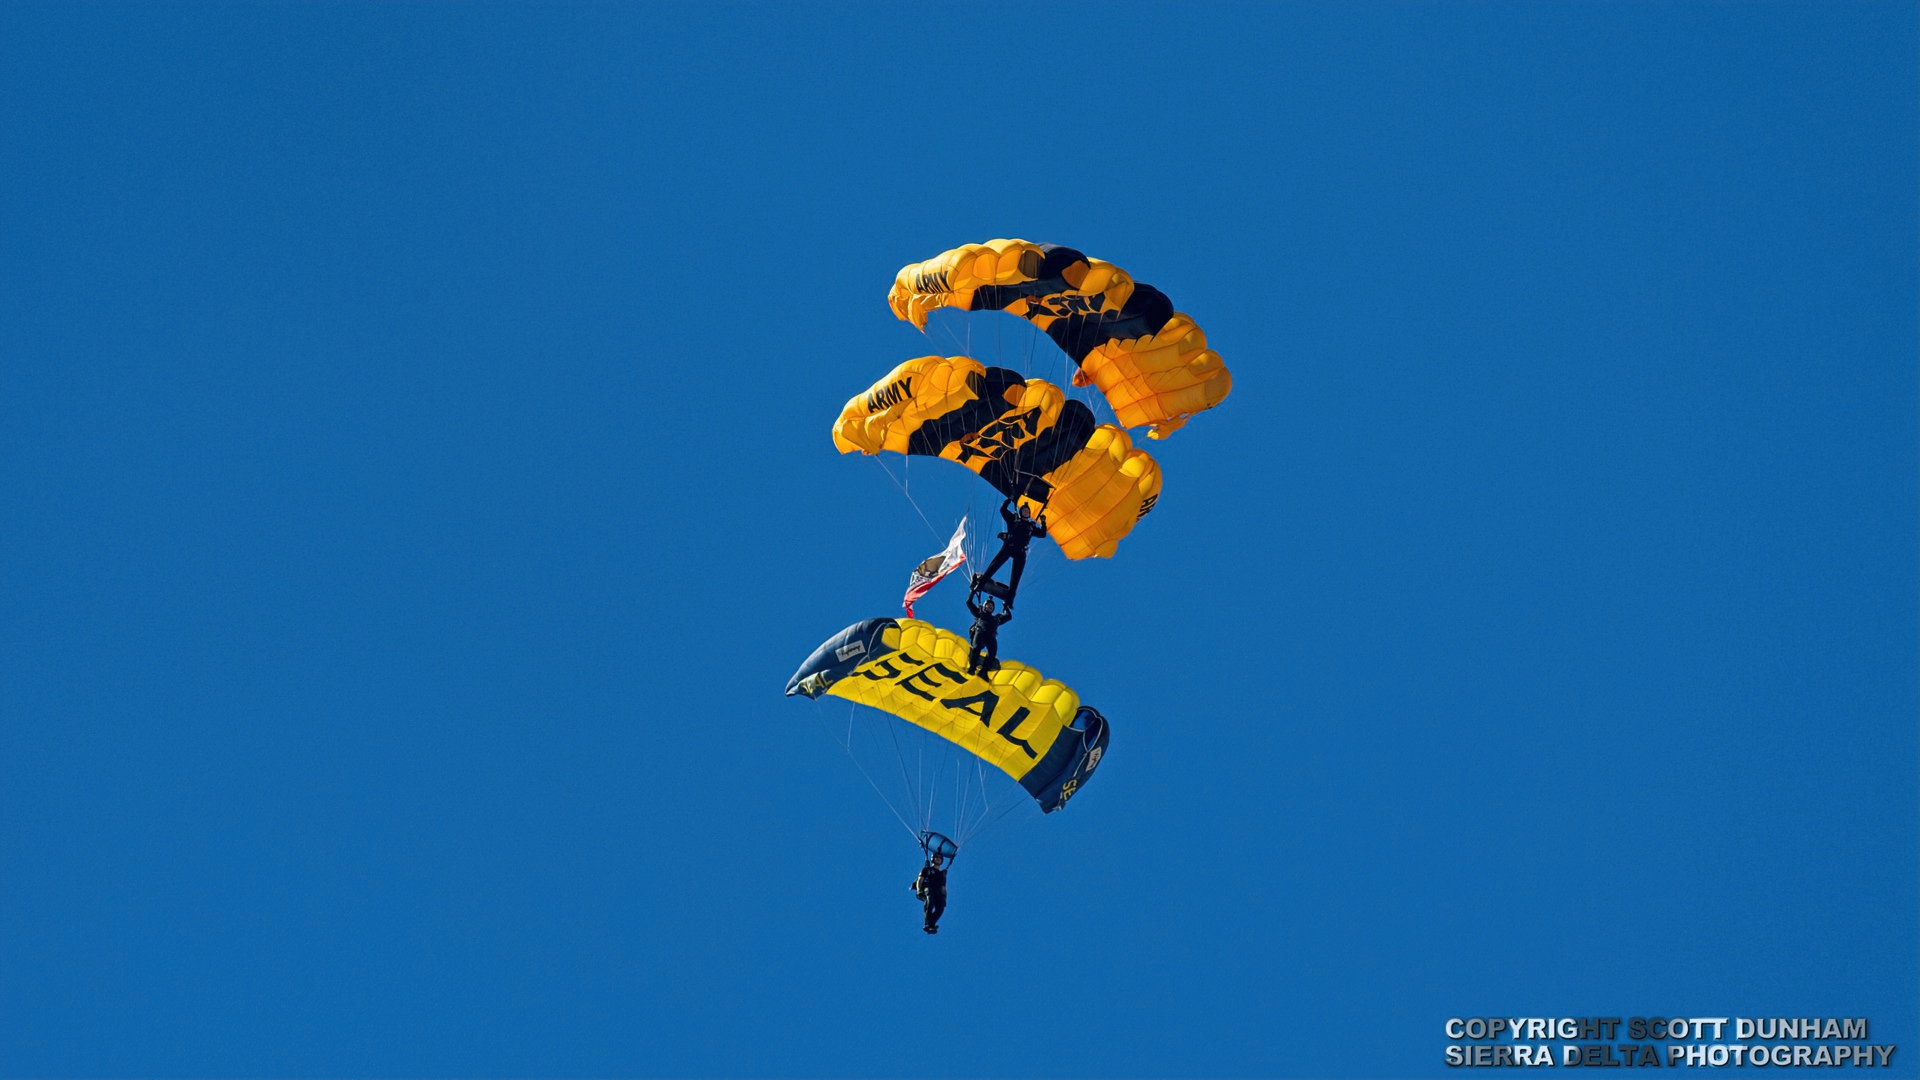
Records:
x=909, y=495
x=819, y=717
x=971, y=819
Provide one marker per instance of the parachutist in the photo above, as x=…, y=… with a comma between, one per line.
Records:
x=931, y=888
x=984, y=659
x=1021, y=529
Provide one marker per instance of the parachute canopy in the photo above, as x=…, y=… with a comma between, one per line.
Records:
x=1151, y=362
x=1030, y=727
x=1023, y=436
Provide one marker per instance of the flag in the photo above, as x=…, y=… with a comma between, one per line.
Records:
x=928, y=573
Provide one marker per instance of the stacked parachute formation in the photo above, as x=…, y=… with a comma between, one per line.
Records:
x=1063, y=475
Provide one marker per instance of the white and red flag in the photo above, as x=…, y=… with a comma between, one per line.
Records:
x=928, y=573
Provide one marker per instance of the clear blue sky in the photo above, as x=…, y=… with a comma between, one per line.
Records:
x=415, y=491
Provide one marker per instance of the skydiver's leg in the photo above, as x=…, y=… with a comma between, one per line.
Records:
x=999, y=558
x=1013, y=582
x=935, y=909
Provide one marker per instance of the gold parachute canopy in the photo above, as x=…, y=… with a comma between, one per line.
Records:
x=1026, y=437
x=1151, y=362
x=1024, y=724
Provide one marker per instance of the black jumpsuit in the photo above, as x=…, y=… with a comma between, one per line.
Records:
x=985, y=638
x=931, y=888
x=1021, y=530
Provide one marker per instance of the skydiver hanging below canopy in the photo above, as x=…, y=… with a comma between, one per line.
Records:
x=1021, y=530
x=931, y=884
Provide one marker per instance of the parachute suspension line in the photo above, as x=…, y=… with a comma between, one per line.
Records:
x=976, y=541
x=970, y=805
x=962, y=804
x=1027, y=352
x=961, y=791
x=922, y=806
x=967, y=801
x=933, y=792
x=951, y=336
x=986, y=803
x=1025, y=370
x=998, y=815
x=1067, y=369
x=819, y=716
x=986, y=814
x=986, y=800
x=906, y=781
x=1079, y=343
x=909, y=495
x=907, y=784
x=1085, y=328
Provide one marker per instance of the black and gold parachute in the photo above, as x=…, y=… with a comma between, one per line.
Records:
x=1151, y=362
x=1030, y=727
x=1023, y=436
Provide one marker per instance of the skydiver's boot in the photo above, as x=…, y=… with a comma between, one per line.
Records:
x=984, y=584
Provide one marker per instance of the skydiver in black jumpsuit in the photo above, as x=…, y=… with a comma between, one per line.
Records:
x=984, y=660
x=1021, y=529
x=931, y=888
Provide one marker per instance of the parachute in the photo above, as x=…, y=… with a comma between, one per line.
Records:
x=1033, y=729
x=1151, y=362
x=1026, y=437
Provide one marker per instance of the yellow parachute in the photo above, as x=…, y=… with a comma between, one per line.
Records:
x=1030, y=727
x=1023, y=436
x=1151, y=362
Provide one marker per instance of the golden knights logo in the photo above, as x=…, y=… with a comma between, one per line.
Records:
x=1061, y=305
x=1001, y=437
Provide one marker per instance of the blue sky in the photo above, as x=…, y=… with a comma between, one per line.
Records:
x=413, y=446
